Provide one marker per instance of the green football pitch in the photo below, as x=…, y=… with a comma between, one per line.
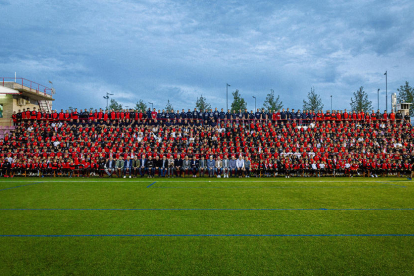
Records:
x=192, y=226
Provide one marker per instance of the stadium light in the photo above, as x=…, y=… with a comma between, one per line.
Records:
x=227, y=96
x=152, y=105
x=254, y=103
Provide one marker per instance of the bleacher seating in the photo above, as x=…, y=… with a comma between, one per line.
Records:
x=271, y=144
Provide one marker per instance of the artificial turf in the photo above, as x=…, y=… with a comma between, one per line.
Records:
x=296, y=226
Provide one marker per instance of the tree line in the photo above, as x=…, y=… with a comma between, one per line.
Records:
x=359, y=101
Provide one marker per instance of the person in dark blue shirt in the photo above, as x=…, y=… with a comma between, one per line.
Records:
x=206, y=115
x=167, y=115
x=251, y=115
x=222, y=114
x=200, y=115
x=210, y=115
x=293, y=114
x=246, y=114
x=183, y=114
x=240, y=115
x=172, y=116
x=234, y=115
x=258, y=114
x=177, y=115
x=195, y=113
x=189, y=114
x=288, y=114
x=283, y=114
x=228, y=114
x=216, y=114
x=265, y=114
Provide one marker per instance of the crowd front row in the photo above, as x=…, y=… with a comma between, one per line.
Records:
x=213, y=167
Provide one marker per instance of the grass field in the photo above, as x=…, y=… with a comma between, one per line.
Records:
x=296, y=226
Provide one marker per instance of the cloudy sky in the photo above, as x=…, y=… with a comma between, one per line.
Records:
x=157, y=50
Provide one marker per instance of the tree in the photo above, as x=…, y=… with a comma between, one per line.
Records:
x=202, y=104
x=140, y=105
x=115, y=105
x=361, y=102
x=314, y=101
x=271, y=103
x=238, y=102
x=406, y=94
x=169, y=107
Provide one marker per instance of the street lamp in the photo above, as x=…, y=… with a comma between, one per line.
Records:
x=254, y=103
x=152, y=105
x=331, y=103
x=53, y=90
x=107, y=98
x=227, y=96
x=378, y=97
x=386, y=90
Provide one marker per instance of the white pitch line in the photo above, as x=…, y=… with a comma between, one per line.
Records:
x=185, y=181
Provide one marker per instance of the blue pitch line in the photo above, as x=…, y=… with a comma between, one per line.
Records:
x=209, y=235
x=216, y=209
x=279, y=187
x=151, y=184
x=389, y=183
x=21, y=186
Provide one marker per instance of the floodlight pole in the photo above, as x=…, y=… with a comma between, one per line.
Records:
x=331, y=103
x=152, y=105
x=378, y=97
x=254, y=103
x=227, y=96
x=386, y=90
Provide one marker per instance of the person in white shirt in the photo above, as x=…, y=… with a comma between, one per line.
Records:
x=240, y=165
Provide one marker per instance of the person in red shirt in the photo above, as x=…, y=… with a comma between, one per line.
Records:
x=354, y=169
x=154, y=114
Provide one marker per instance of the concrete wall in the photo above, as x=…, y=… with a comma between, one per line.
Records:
x=10, y=105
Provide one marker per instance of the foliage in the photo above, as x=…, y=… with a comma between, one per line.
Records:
x=115, y=105
x=406, y=94
x=314, y=101
x=169, y=107
x=271, y=103
x=238, y=102
x=360, y=101
x=202, y=104
x=140, y=105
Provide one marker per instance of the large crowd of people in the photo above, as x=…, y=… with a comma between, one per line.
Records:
x=209, y=143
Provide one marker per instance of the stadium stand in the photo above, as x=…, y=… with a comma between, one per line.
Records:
x=131, y=143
